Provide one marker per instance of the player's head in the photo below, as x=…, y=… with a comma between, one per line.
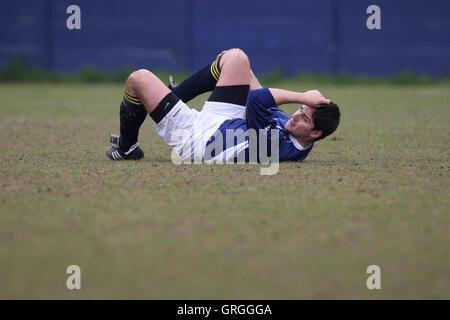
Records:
x=312, y=124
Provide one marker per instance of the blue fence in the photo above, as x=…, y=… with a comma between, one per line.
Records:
x=297, y=35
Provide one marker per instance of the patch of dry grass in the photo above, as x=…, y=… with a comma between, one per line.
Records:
x=376, y=193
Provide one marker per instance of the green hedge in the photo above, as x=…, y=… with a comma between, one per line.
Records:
x=18, y=71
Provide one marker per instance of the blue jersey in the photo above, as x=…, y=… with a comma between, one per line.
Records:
x=261, y=114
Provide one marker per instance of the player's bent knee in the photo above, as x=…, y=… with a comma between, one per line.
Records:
x=237, y=59
x=235, y=68
x=237, y=51
x=139, y=75
x=240, y=55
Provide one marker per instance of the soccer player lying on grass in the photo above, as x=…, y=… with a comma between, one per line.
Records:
x=235, y=92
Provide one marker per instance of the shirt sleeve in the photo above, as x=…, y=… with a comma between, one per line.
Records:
x=260, y=108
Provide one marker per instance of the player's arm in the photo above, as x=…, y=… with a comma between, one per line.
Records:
x=310, y=98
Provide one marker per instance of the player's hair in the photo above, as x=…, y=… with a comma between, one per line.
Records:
x=326, y=118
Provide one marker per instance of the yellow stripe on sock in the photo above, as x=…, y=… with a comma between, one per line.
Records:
x=131, y=95
x=213, y=74
x=214, y=70
x=131, y=98
x=133, y=102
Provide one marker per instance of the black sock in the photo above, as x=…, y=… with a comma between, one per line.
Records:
x=132, y=115
x=202, y=81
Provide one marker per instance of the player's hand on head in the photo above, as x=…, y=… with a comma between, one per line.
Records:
x=314, y=98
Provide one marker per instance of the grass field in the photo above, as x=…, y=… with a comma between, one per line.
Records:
x=377, y=193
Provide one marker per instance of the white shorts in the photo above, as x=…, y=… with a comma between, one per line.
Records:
x=189, y=130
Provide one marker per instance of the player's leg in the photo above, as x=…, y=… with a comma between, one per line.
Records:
x=144, y=86
x=144, y=93
x=227, y=101
x=234, y=81
x=204, y=80
x=235, y=68
x=175, y=122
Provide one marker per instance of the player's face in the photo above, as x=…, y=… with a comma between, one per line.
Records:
x=301, y=124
